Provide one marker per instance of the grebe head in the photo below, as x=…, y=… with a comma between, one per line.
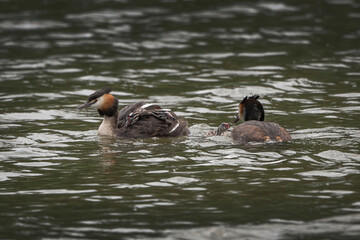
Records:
x=103, y=101
x=250, y=109
x=222, y=128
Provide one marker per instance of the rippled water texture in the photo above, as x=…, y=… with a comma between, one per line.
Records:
x=59, y=180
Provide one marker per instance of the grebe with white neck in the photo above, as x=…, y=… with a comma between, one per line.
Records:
x=139, y=120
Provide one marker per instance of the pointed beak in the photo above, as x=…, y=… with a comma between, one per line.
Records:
x=86, y=105
x=236, y=120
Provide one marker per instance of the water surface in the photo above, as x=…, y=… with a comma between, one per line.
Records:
x=199, y=58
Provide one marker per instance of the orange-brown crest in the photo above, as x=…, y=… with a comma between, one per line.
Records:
x=241, y=110
x=108, y=101
x=108, y=105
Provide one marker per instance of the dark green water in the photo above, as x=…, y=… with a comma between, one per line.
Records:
x=59, y=180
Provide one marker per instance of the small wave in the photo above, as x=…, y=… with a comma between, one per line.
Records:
x=31, y=24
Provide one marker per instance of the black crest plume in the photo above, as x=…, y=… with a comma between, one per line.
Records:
x=253, y=108
x=99, y=93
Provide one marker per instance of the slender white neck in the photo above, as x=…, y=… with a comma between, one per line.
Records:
x=109, y=125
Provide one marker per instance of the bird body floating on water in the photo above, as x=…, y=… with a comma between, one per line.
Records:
x=254, y=128
x=139, y=120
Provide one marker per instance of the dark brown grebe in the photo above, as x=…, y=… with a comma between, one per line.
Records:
x=139, y=120
x=254, y=129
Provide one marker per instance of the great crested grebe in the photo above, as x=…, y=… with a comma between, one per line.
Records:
x=139, y=120
x=254, y=129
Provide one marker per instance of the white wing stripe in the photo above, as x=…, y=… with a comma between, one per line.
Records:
x=174, y=128
x=147, y=105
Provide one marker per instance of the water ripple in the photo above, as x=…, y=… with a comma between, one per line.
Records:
x=180, y=180
x=5, y=176
x=345, y=227
x=31, y=24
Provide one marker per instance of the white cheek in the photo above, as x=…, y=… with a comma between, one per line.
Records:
x=98, y=103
